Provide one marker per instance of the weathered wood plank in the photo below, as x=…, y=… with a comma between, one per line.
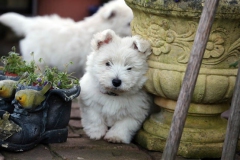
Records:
x=233, y=128
x=189, y=81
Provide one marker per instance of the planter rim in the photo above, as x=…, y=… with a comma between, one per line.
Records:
x=190, y=8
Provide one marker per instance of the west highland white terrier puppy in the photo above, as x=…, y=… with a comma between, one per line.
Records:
x=59, y=41
x=112, y=102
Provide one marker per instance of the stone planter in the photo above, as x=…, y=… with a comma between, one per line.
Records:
x=171, y=28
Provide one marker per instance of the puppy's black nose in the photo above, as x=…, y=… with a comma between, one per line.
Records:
x=116, y=82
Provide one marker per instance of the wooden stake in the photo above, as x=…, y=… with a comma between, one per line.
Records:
x=233, y=127
x=189, y=81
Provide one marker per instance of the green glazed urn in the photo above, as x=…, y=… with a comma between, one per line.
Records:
x=171, y=26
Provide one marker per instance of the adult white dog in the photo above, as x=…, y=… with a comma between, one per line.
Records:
x=111, y=89
x=58, y=41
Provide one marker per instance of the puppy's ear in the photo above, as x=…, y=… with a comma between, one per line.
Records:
x=109, y=14
x=102, y=38
x=141, y=45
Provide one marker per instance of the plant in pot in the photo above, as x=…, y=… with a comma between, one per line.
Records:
x=41, y=112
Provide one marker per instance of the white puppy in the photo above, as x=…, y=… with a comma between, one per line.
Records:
x=111, y=89
x=59, y=41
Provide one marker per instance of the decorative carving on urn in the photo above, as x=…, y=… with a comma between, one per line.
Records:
x=171, y=47
x=163, y=39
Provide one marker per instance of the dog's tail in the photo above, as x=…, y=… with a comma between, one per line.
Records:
x=17, y=22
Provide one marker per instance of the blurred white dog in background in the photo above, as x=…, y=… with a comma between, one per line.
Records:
x=112, y=102
x=59, y=41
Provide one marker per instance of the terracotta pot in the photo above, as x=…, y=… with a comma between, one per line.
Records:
x=11, y=74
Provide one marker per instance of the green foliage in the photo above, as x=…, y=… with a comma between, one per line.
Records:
x=30, y=74
x=13, y=63
x=28, y=78
x=59, y=79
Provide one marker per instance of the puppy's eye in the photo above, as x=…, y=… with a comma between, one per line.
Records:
x=107, y=64
x=129, y=68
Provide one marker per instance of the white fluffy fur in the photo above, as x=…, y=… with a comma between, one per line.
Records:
x=58, y=41
x=114, y=58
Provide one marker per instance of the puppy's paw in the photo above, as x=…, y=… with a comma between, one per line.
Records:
x=113, y=139
x=95, y=133
x=95, y=136
x=116, y=138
